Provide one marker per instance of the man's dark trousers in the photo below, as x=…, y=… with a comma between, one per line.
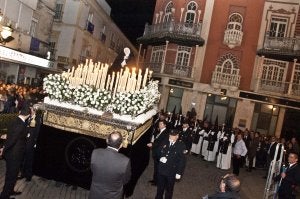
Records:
x=165, y=183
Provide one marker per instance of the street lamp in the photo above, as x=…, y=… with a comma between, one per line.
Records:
x=6, y=34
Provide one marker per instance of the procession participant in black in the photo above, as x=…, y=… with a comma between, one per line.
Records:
x=156, y=142
x=198, y=132
x=253, y=142
x=34, y=124
x=185, y=136
x=225, y=149
x=289, y=178
x=206, y=129
x=171, y=165
x=239, y=151
x=212, y=139
x=13, y=151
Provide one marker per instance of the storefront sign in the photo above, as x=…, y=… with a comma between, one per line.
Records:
x=17, y=56
x=181, y=83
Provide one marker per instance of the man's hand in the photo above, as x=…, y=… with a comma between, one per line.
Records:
x=177, y=176
x=283, y=175
x=149, y=145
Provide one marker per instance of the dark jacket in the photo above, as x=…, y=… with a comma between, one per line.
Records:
x=225, y=195
x=111, y=171
x=291, y=180
x=14, y=146
x=186, y=137
x=158, y=140
x=175, y=158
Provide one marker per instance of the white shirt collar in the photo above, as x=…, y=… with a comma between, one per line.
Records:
x=292, y=165
x=113, y=148
x=21, y=118
x=162, y=130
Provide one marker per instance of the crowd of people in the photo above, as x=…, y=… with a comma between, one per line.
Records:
x=220, y=144
x=13, y=96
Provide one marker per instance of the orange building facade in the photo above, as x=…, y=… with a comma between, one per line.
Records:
x=232, y=59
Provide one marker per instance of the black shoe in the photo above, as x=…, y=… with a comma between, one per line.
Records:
x=15, y=193
x=151, y=181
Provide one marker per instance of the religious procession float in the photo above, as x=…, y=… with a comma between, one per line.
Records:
x=87, y=100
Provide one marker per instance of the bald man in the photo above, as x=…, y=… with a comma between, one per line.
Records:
x=228, y=188
x=111, y=170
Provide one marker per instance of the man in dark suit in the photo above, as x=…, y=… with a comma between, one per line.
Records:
x=111, y=170
x=13, y=151
x=289, y=178
x=186, y=135
x=156, y=141
x=171, y=165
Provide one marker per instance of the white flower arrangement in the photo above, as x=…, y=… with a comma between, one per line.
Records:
x=124, y=103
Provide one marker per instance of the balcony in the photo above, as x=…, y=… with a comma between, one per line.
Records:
x=170, y=69
x=187, y=34
x=279, y=87
x=283, y=48
x=233, y=38
x=225, y=80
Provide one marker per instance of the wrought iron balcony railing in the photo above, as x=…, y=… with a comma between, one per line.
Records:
x=178, y=70
x=284, y=44
x=170, y=69
x=279, y=87
x=233, y=38
x=220, y=79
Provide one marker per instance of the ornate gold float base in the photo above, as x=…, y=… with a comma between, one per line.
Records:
x=93, y=125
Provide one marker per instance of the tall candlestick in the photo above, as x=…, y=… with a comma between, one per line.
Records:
x=112, y=81
x=145, y=78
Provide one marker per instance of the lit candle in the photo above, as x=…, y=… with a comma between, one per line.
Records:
x=145, y=78
x=116, y=84
x=139, y=80
x=107, y=83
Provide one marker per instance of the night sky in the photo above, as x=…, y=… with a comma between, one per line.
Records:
x=131, y=16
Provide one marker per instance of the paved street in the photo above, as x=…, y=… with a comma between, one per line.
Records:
x=199, y=179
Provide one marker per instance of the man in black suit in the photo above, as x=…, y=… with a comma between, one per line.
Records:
x=171, y=165
x=111, y=170
x=13, y=151
x=156, y=141
x=186, y=135
x=289, y=178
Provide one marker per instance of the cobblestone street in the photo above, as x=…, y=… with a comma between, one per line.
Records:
x=200, y=178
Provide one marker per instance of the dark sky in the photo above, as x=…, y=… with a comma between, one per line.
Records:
x=131, y=16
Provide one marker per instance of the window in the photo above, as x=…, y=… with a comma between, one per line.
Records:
x=33, y=27
x=278, y=27
x=168, y=12
x=190, y=15
x=183, y=55
x=235, y=22
x=157, y=54
x=297, y=74
x=274, y=72
x=58, y=12
x=228, y=64
x=52, y=49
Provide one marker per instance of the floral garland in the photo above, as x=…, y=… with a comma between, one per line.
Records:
x=124, y=103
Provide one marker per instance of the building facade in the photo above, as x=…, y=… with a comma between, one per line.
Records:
x=83, y=30
x=236, y=60
x=25, y=32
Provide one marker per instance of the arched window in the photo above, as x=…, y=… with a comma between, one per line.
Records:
x=234, y=34
x=235, y=22
x=168, y=12
x=228, y=64
x=190, y=15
